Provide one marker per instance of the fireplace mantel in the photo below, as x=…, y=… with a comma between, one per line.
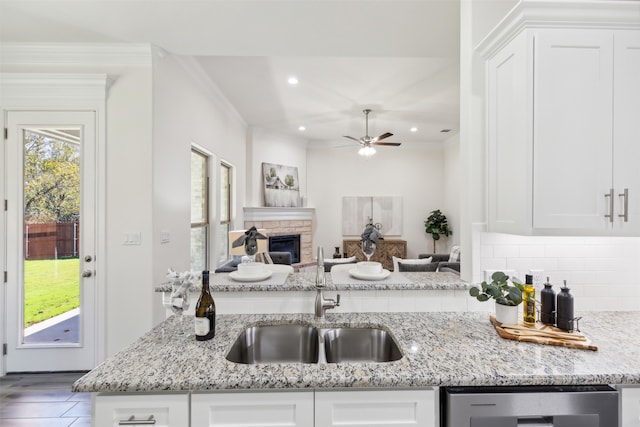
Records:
x=278, y=214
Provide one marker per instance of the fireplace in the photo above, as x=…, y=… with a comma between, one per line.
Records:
x=286, y=243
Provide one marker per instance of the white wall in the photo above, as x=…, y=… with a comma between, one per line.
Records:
x=128, y=208
x=416, y=174
x=187, y=109
x=269, y=147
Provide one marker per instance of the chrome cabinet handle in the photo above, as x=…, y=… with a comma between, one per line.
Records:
x=610, y=214
x=132, y=421
x=625, y=208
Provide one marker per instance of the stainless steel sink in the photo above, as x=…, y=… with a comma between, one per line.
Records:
x=360, y=345
x=276, y=344
x=301, y=344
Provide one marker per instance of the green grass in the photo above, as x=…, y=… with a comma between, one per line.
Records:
x=51, y=288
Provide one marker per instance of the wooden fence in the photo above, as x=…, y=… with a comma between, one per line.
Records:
x=51, y=240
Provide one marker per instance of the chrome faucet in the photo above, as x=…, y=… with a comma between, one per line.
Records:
x=322, y=304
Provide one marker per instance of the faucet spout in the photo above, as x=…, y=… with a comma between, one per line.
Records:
x=322, y=304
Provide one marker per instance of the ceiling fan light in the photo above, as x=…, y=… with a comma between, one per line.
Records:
x=367, y=151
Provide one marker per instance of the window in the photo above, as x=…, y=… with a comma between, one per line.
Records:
x=225, y=211
x=199, y=211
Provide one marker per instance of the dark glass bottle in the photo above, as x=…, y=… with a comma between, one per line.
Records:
x=336, y=254
x=529, y=300
x=548, y=304
x=565, y=309
x=205, y=320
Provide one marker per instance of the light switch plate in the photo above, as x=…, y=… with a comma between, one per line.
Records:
x=132, y=239
x=165, y=236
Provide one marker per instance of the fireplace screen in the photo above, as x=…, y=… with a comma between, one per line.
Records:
x=287, y=243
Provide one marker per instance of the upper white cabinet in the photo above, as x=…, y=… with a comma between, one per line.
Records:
x=563, y=119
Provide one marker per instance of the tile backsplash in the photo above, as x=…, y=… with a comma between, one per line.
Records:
x=602, y=272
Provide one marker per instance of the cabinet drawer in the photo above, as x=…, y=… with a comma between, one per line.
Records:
x=380, y=408
x=254, y=409
x=630, y=404
x=121, y=409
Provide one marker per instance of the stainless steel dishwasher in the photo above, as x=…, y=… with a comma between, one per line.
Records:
x=530, y=406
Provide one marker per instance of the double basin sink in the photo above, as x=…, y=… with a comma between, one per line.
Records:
x=293, y=343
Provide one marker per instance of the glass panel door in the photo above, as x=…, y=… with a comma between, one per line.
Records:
x=51, y=239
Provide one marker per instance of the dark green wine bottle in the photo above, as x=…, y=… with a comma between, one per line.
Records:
x=205, y=320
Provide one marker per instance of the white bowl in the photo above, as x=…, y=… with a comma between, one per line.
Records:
x=249, y=269
x=369, y=267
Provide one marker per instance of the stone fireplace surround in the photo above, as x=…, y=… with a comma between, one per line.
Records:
x=282, y=221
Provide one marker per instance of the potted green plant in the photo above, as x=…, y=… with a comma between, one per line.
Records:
x=506, y=294
x=436, y=224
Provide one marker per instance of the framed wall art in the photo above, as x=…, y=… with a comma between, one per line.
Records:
x=281, y=186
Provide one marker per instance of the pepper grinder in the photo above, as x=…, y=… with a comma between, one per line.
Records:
x=548, y=304
x=565, y=309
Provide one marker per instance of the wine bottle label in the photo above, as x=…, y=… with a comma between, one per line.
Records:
x=202, y=326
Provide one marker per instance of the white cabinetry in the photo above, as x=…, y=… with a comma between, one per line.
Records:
x=382, y=408
x=257, y=409
x=298, y=408
x=630, y=406
x=158, y=409
x=563, y=134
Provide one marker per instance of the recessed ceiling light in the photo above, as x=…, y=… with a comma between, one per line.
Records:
x=293, y=80
x=445, y=130
x=301, y=128
x=414, y=129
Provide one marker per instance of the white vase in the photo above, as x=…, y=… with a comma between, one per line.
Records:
x=507, y=314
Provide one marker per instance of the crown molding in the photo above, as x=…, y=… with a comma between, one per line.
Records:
x=76, y=54
x=560, y=14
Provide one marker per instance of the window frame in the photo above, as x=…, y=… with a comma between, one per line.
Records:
x=207, y=207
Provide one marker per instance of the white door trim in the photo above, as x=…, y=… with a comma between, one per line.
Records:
x=60, y=92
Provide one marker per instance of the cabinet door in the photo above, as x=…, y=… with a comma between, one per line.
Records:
x=509, y=112
x=630, y=404
x=291, y=409
x=573, y=144
x=159, y=410
x=626, y=132
x=382, y=408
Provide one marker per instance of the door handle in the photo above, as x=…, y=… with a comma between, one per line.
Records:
x=88, y=258
x=625, y=208
x=87, y=273
x=610, y=196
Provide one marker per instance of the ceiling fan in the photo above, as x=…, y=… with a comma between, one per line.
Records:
x=367, y=142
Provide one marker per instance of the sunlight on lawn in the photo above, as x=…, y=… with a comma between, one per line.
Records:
x=51, y=287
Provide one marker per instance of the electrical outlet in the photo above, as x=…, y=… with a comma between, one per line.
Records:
x=538, y=281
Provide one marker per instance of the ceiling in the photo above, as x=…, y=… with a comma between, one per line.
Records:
x=398, y=58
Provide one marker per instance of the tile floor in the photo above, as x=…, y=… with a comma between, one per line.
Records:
x=28, y=400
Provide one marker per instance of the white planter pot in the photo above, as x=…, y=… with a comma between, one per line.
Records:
x=507, y=314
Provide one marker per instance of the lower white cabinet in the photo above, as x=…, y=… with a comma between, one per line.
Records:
x=630, y=406
x=256, y=409
x=158, y=409
x=382, y=408
x=303, y=408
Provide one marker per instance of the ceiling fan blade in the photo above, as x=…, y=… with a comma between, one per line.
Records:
x=355, y=139
x=383, y=136
x=394, y=144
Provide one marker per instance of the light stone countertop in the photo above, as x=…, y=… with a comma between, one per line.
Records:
x=440, y=349
x=306, y=281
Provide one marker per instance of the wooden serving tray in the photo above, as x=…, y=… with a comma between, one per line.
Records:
x=543, y=334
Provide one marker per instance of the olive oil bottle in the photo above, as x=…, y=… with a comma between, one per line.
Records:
x=529, y=301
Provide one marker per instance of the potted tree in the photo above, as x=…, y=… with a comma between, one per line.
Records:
x=507, y=296
x=436, y=224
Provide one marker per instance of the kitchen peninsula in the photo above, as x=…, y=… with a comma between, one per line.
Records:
x=439, y=349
